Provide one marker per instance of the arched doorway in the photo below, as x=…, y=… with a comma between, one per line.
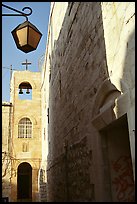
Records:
x=24, y=182
x=117, y=161
x=110, y=118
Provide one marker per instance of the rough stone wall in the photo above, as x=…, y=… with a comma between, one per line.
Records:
x=82, y=58
x=53, y=33
x=53, y=27
x=56, y=180
x=78, y=167
x=42, y=186
x=6, y=142
x=78, y=66
x=44, y=138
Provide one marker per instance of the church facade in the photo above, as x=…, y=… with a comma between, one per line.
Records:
x=25, y=138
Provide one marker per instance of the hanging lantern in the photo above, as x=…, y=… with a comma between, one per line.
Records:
x=26, y=36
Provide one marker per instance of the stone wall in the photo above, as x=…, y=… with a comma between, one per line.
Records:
x=82, y=80
x=42, y=186
x=119, y=33
x=6, y=147
x=79, y=161
x=75, y=78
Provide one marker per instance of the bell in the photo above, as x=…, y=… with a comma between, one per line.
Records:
x=27, y=92
x=20, y=92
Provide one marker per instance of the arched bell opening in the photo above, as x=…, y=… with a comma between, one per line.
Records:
x=25, y=91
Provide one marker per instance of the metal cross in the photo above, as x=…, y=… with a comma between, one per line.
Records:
x=26, y=63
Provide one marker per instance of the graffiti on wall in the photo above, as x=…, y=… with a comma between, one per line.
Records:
x=79, y=160
x=123, y=179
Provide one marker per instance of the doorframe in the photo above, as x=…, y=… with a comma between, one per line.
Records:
x=110, y=103
x=30, y=189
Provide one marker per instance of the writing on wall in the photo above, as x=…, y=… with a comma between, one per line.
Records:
x=123, y=179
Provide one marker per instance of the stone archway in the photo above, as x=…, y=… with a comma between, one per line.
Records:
x=117, y=161
x=111, y=124
x=24, y=182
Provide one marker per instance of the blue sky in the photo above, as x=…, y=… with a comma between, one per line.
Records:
x=13, y=56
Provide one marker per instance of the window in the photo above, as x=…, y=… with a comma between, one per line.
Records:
x=25, y=128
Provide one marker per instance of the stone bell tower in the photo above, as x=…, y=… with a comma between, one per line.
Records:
x=26, y=135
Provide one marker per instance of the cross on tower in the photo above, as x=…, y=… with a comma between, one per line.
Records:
x=26, y=63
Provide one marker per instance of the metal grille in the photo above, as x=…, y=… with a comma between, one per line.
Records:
x=25, y=128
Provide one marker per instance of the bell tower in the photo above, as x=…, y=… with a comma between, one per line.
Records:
x=26, y=135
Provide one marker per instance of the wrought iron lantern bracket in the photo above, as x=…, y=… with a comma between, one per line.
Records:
x=26, y=35
x=20, y=12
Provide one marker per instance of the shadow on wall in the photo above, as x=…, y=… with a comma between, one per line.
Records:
x=123, y=189
x=79, y=52
x=78, y=67
x=129, y=78
x=6, y=191
x=125, y=168
x=6, y=175
x=129, y=64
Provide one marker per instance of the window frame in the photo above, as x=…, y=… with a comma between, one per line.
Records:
x=25, y=128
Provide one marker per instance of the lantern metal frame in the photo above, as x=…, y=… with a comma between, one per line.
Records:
x=24, y=44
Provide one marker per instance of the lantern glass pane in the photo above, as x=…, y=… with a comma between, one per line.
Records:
x=22, y=36
x=34, y=38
